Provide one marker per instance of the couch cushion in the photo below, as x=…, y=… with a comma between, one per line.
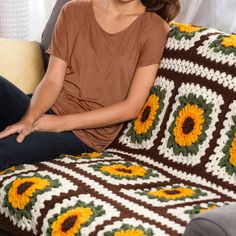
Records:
x=21, y=63
x=48, y=30
x=218, y=222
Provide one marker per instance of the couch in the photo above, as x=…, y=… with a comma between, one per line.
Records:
x=171, y=171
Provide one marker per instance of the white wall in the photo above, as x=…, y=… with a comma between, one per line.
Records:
x=14, y=15
x=24, y=19
x=39, y=11
x=219, y=14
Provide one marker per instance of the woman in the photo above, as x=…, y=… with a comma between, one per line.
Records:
x=104, y=57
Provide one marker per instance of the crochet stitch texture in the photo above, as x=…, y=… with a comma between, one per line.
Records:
x=174, y=161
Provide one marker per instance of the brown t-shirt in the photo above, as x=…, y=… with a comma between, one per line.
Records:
x=100, y=65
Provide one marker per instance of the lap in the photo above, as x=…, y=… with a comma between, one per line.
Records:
x=13, y=103
x=39, y=146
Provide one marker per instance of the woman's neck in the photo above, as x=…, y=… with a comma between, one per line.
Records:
x=121, y=7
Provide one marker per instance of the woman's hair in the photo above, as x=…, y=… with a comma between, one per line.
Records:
x=167, y=9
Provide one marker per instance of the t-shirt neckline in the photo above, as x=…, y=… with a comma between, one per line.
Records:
x=119, y=32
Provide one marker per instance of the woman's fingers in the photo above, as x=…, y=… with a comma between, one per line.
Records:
x=9, y=130
x=22, y=128
x=35, y=128
x=20, y=138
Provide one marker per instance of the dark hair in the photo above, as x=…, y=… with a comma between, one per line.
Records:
x=167, y=9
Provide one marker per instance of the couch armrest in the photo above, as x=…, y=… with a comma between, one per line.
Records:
x=217, y=222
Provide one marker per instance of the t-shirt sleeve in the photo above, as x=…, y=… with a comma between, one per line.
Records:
x=59, y=43
x=153, y=47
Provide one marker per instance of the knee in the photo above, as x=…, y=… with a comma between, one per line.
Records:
x=3, y=84
x=8, y=152
x=7, y=89
x=2, y=80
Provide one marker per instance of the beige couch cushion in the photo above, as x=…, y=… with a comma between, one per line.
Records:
x=21, y=63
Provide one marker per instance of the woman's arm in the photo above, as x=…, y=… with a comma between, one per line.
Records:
x=43, y=98
x=125, y=110
x=48, y=89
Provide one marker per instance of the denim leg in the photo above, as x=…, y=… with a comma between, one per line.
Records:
x=13, y=103
x=39, y=146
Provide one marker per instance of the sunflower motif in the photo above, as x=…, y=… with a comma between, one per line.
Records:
x=173, y=193
x=186, y=31
x=145, y=118
x=232, y=159
x=226, y=44
x=142, y=127
x=188, y=125
x=91, y=154
x=229, y=41
x=208, y=208
x=187, y=28
x=23, y=191
x=123, y=170
x=70, y=222
x=188, y=130
x=200, y=209
x=129, y=230
x=11, y=169
x=87, y=155
x=72, y=219
x=229, y=159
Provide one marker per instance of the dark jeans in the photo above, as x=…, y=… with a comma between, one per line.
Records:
x=38, y=146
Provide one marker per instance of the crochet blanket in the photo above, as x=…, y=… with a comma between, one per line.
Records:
x=174, y=161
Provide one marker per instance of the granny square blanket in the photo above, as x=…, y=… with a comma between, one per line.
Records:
x=174, y=161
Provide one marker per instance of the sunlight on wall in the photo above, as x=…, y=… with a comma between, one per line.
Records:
x=24, y=19
x=40, y=11
x=14, y=18
x=218, y=14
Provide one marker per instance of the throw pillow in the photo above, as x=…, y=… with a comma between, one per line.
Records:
x=21, y=63
x=48, y=30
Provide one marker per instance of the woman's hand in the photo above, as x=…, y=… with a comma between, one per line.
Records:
x=47, y=123
x=23, y=128
x=50, y=123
